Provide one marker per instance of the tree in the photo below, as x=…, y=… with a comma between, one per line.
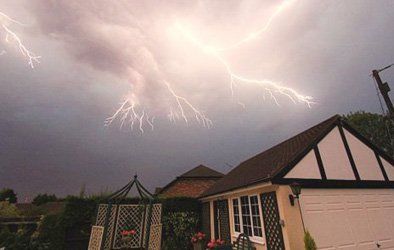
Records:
x=43, y=198
x=377, y=128
x=7, y=194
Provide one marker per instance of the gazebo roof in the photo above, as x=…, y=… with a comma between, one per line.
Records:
x=124, y=191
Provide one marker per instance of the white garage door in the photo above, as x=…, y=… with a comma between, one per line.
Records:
x=349, y=218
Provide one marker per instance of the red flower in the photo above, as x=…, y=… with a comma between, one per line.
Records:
x=132, y=232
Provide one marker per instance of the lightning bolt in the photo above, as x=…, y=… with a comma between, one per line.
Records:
x=10, y=35
x=268, y=85
x=131, y=111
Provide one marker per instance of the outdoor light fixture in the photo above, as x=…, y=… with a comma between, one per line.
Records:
x=296, y=190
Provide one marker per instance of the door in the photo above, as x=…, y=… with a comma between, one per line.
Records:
x=349, y=218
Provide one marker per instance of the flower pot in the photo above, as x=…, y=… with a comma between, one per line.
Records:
x=199, y=245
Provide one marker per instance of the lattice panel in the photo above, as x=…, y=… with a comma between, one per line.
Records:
x=273, y=229
x=155, y=237
x=100, y=221
x=156, y=214
x=156, y=218
x=224, y=221
x=129, y=217
x=96, y=236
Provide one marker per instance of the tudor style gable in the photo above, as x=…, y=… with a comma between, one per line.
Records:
x=341, y=154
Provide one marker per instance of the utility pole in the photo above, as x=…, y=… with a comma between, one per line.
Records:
x=384, y=89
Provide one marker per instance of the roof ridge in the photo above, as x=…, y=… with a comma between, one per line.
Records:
x=271, y=162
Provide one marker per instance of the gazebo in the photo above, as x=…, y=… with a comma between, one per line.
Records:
x=128, y=223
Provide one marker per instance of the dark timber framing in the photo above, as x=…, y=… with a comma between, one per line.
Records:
x=320, y=162
x=279, y=178
x=349, y=153
x=381, y=166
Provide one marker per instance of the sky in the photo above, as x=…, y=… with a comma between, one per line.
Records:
x=169, y=62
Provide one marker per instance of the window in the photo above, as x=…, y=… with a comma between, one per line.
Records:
x=254, y=205
x=237, y=222
x=247, y=224
x=247, y=216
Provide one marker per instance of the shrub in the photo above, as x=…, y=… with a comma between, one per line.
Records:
x=309, y=242
x=181, y=219
x=43, y=198
x=7, y=194
x=50, y=233
x=14, y=241
x=8, y=210
x=178, y=229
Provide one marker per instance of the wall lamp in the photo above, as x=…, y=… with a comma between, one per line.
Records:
x=296, y=190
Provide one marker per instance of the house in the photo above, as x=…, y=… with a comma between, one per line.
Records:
x=329, y=180
x=191, y=184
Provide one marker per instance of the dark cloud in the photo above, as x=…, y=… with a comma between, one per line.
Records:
x=96, y=52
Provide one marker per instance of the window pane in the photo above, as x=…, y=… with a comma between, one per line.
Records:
x=237, y=222
x=247, y=224
x=254, y=205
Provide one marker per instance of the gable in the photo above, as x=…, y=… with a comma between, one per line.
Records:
x=364, y=158
x=334, y=157
x=307, y=168
x=389, y=168
x=342, y=155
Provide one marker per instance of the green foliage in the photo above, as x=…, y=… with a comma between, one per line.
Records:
x=50, y=233
x=8, y=210
x=15, y=241
x=7, y=194
x=180, y=221
x=178, y=229
x=309, y=242
x=43, y=198
x=79, y=214
x=181, y=204
x=375, y=127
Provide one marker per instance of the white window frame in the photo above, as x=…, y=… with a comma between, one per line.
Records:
x=256, y=239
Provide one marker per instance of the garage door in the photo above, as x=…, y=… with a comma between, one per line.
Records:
x=349, y=218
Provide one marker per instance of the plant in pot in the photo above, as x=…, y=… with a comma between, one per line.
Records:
x=198, y=241
x=127, y=235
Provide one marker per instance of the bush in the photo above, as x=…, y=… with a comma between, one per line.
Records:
x=179, y=228
x=50, y=233
x=309, y=242
x=180, y=204
x=7, y=194
x=8, y=210
x=14, y=241
x=43, y=198
x=181, y=219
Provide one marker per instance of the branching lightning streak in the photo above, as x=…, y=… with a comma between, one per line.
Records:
x=199, y=115
x=5, y=22
x=268, y=85
x=130, y=109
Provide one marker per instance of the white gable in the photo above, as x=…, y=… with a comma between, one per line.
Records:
x=364, y=159
x=307, y=168
x=389, y=169
x=335, y=160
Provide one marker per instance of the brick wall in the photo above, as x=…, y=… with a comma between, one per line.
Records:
x=188, y=187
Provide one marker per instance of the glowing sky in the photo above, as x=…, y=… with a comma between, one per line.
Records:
x=96, y=53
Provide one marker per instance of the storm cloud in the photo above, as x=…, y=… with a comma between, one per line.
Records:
x=96, y=53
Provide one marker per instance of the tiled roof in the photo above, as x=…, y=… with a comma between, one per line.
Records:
x=202, y=171
x=267, y=164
